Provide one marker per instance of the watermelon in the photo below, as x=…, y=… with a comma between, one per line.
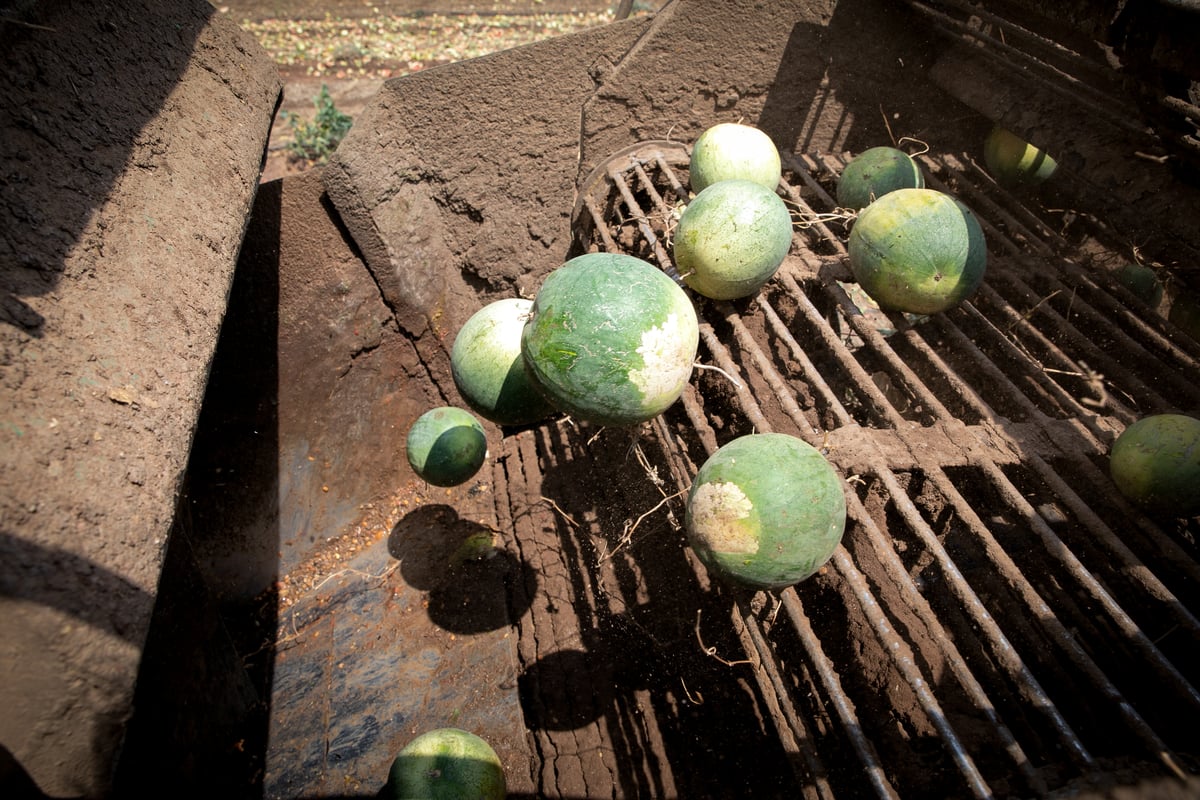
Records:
x=446, y=764
x=766, y=511
x=610, y=339
x=446, y=446
x=917, y=250
x=731, y=151
x=1014, y=162
x=1143, y=282
x=875, y=172
x=731, y=239
x=488, y=369
x=1155, y=463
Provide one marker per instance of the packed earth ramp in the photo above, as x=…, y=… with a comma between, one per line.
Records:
x=133, y=143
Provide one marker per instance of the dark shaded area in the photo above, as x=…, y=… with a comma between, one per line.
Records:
x=201, y=707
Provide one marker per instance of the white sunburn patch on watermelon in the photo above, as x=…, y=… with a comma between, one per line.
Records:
x=667, y=355
x=721, y=514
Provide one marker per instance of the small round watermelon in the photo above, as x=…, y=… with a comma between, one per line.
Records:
x=488, y=369
x=917, y=250
x=446, y=764
x=446, y=446
x=1155, y=463
x=731, y=151
x=1014, y=162
x=766, y=511
x=610, y=339
x=875, y=172
x=731, y=239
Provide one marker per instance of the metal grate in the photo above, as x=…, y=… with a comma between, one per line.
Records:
x=997, y=616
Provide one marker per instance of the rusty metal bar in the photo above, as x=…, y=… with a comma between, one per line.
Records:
x=1170, y=604
x=842, y=704
x=902, y=657
x=1001, y=648
x=885, y=551
x=1059, y=550
x=1046, y=617
x=893, y=644
x=1009, y=56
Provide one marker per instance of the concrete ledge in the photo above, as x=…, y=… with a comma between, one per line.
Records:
x=133, y=143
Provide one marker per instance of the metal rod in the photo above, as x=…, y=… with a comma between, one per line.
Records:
x=1001, y=648
x=842, y=704
x=885, y=552
x=1045, y=616
x=902, y=657
x=1057, y=548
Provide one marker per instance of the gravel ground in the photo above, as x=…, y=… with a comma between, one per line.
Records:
x=351, y=46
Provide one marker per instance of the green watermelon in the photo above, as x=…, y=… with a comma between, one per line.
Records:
x=1143, y=282
x=1014, y=162
x=446, y=764
x=446, y=446
x=731, y=151
x=488, y=369
x=731, y=239
x=875, y=172
x=1155, y=463
x=610, y=339
x=765, y=511
x=917, y=250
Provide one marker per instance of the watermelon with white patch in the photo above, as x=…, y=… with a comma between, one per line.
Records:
x=610, y=339
x=765, y=511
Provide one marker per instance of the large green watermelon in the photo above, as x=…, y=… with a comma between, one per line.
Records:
x=488, y=369
x=765, y=510
x=917, y=250
x=610, y=339
x=731, y=239
x=446, y=764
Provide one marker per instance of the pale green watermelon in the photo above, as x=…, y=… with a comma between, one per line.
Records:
x=1014, y=162
x=766, y=511
x=446, y=764
x=488, y=369
x=731, y=239
x=732, y=151
x=610, y=339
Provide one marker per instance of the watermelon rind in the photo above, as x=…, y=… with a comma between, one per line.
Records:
x=1155, y=464
x=446, y=446
x=733, y=151
x=765, y=511
x=731, y=239
x=875, y=172
x=446, y=764
x=488, y=369
x=917, y=250
x=1014, y=162
x=611, y=339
